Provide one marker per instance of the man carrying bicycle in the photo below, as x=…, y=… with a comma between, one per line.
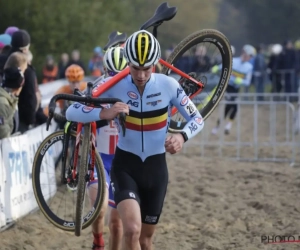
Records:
x=240, y=76
x=139, y=174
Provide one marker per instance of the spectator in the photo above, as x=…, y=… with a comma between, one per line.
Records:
x=40, y=117
x=259, y=70
x=5, y=39
x=5, y=49
x=13, y=80
x=289, y=63
x=27, y=100
x=50, y=70
x=167, y=53
x=75, y=59
x=62, y=65
x=201, y=62
x=2, y=45
x=273, y=66
x=96, y=63
x=10, y=30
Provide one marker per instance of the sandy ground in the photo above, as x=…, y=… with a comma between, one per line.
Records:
x=212, y=202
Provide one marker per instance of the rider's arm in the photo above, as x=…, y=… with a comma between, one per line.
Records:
x=84, y=114
x=247, y=80
x=81, y=113
x=187, y=109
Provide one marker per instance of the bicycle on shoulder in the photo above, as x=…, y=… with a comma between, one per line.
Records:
x=191, y=63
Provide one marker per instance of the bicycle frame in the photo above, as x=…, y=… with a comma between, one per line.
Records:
x=93, y=148
x=125, y=72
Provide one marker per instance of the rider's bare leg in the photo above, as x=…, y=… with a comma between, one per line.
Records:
x=147, y=236
x=115, y=228
x=130, y=214
x=98, y=224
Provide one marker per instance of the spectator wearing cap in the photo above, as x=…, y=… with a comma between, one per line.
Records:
x=20, y=42
x=10, y=30
x=5, y=39
x=12, y=83
x=50, y=70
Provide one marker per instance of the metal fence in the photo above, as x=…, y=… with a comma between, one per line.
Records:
x=262, y=130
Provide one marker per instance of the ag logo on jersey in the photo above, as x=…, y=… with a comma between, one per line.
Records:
x=132, y=95
x=184, y=100
x=193, y=127
x=133, y=103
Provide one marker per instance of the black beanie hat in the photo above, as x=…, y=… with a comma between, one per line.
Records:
x=13, y=78
x=20, y=39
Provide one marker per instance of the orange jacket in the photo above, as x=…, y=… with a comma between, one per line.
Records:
x=66, y=89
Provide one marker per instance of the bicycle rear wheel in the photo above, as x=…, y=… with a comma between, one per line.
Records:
x=54, y=199
x=200, y=39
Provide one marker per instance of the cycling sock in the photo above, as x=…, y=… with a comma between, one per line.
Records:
x=228, y=126
x=98, y=239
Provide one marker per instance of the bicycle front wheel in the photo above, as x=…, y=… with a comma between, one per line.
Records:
x=57, y=201
x=201, y=51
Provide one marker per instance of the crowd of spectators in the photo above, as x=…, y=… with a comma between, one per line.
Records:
x=19, y=92
x=276, y=67
x=278, y=64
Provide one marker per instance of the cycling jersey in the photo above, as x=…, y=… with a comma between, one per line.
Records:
x=149, y=116
x=242, y=70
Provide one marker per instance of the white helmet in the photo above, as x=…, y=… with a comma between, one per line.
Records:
x=114, y=59
x=249, y=50
x=276, y=49
x=142, y=49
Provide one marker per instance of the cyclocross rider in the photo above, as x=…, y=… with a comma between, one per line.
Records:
x=74, y=75
x=241, y=75
x=139, y=175
x=107, y=138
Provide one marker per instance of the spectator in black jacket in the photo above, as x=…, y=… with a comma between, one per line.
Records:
x=27, y=99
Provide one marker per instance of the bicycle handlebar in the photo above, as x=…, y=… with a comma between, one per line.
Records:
x=86, y=100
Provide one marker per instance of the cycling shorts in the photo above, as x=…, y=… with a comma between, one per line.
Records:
x=107, y=162
x=146, y=182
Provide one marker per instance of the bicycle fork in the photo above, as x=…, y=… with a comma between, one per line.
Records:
x=90, y=176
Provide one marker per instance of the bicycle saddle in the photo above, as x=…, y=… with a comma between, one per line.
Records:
x=162, y=13
x=114, y=39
